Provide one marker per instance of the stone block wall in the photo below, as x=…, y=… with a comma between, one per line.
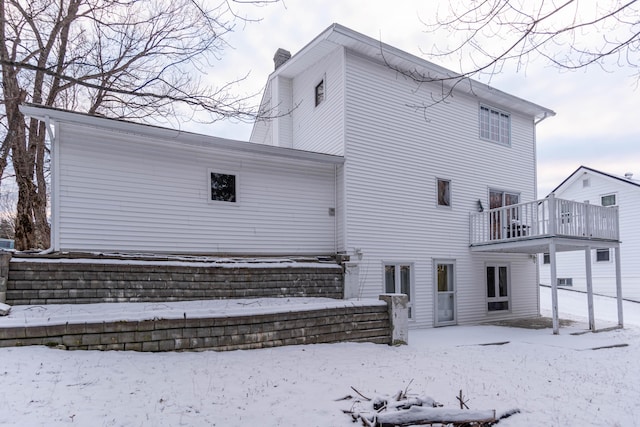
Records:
x=54, y=282
x=362, y=323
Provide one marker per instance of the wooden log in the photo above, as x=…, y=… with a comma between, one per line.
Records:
x=418, y=415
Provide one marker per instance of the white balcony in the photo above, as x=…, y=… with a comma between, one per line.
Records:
x=548, y=226
x=526, y=227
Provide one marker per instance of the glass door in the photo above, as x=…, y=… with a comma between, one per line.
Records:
x=500, y=219
x=445, y=293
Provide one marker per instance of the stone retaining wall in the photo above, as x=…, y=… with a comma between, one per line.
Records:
x=45, y=281
x=362, y=323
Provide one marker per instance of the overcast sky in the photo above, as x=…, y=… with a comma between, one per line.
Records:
x=598, y=112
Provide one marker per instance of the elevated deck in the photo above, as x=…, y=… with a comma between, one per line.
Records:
x=531, y=227
x=548, y=226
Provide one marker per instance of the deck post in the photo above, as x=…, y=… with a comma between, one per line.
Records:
x=587, y=261
x=619, y=286
x=552, y=214
x=554, y=287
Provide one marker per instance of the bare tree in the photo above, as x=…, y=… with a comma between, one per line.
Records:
x=118, y=58
x=487, y=35
x=570, y=34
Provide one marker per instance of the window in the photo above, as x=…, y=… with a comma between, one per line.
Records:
x=397, y=280
x=223, y=187
x=546, y=259
x=608, y=200
x=495, y=125
x=319, y=92
x=603, y=255
x=444, y=192
x=586, y=183
x=565, y=281
x=497, y=288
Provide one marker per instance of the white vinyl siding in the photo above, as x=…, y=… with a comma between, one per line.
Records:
x=393, y=157
x=320, y=128
x=125, y=192
x=572, y=264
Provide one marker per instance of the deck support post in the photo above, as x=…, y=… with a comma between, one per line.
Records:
x=554, y=287
x=618, y=285
x=587, y=261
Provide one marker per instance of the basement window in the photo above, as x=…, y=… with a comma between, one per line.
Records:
x=603, y=255
x=223, y=187
x=565, y=281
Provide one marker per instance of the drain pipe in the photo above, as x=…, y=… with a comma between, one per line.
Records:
x=53, y=232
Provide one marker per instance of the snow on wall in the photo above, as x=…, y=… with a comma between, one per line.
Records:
x=124, y=192
x=572, y=264
x=394, y=155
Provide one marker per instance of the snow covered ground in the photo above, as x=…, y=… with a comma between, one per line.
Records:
x=553, y=380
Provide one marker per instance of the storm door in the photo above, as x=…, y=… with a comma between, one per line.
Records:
x=445, y=300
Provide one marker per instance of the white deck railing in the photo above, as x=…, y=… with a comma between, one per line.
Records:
x=544, y=218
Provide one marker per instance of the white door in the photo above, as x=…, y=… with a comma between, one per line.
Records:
x=445, y=300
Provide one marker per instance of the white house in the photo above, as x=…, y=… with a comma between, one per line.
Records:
x=349, y=163
x=599, y=188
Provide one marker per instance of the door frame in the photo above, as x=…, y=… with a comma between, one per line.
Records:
x=436, y=293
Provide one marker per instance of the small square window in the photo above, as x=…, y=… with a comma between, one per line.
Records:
x=444, y=192
x=546, y=259
x=586, y=183
x=565, y=281
x=223, y=187
x=603, y=255
x=608, y=200
x=320, y=92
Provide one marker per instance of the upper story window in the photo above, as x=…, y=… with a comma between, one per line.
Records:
x=608, y=200
x=495, y=125
x=586, y=183
x=319, y=92
x=223, y=187
x=444, y=192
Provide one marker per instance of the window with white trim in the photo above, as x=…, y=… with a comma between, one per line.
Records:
x=444, y=192
x=495, y=125
x=497, y=277
x=222, y=187
x=565, y=281
x=546, y=258
x=608, y=200
x=397, y=280
x=603, y=255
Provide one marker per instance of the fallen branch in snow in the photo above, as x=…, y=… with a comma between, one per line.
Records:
x=401, y=410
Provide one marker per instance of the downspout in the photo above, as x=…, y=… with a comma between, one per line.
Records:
x=53, y=235
x=535, y=197
x=335, y=210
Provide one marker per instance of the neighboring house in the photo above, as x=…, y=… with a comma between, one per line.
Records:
x=350, y=163
x=599, y=188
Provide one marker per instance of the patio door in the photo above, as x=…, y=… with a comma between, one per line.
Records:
x=497, y=220
x=445, y=301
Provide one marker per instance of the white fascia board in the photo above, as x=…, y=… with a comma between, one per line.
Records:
x=338, y=35
x=175, y=136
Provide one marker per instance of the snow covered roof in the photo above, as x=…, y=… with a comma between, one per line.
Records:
x=584, y=169
x=175, y=136
x=338, y=35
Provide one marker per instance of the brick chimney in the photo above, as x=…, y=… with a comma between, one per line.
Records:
x=281, y=57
